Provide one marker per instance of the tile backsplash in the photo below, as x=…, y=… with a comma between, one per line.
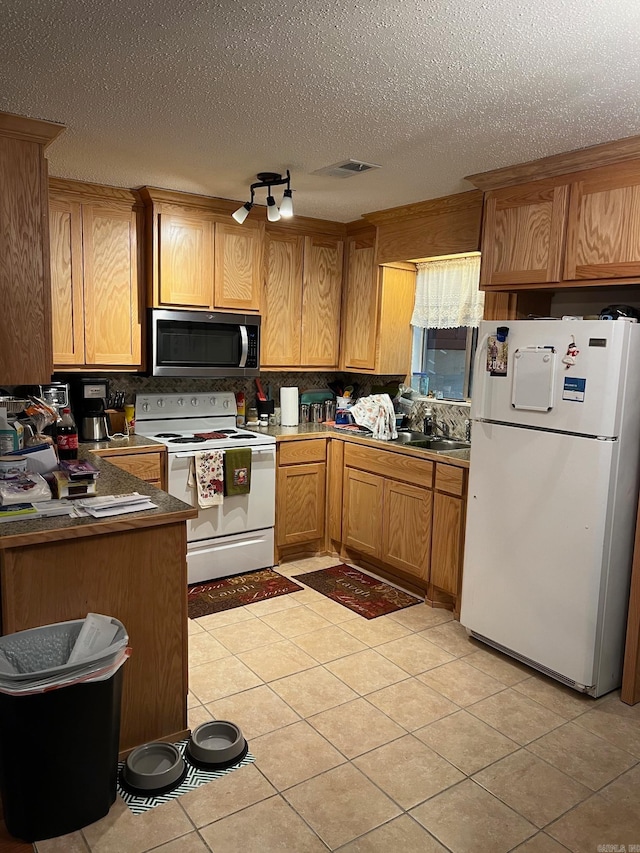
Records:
x=450, y=418
x=133, y=384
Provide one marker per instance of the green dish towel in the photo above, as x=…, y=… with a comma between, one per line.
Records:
x=237, y=471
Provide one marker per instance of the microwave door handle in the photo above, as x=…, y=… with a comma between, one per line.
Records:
x=245, y=346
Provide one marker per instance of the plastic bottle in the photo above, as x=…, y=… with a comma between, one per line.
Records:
x=8, y=436
x=67, y=436
x=17, y=426
x=428, y=422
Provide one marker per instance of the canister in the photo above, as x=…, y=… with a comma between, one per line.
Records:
x=316, y=413
x=304, y=413
x=329, y=410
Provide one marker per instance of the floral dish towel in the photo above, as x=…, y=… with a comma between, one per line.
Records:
x=377, y=414
x=207, y=474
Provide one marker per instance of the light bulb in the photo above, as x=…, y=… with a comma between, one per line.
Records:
x=286, y=205
x=242, y=212
x=273, y=214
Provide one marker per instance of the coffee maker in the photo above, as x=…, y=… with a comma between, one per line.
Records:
x=89, y=401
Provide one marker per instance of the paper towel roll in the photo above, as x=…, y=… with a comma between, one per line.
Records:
x=289, y=406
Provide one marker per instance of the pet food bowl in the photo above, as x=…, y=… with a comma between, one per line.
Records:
x=215, y=743
x=154, y=767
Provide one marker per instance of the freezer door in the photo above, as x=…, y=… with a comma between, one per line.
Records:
x=540, y=390
x=537, y=546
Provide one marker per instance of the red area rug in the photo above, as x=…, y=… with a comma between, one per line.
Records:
x=359, y=592
x=224, y=594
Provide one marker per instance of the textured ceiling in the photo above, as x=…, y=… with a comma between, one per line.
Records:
x=200, y=95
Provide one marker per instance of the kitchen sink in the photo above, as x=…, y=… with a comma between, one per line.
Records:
x=438, y=445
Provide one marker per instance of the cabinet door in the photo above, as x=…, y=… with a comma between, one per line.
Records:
x=238, y=266
x=447, y=542
x=111, y=298
x=603, y=238
x=362, y=512
x=321, y=297
x=67, y=308
x=300, y=503
x=282, y=304
x=523, y=234
x=406, y=528
x=25, y=287
x=185, y=259
x=361, y=309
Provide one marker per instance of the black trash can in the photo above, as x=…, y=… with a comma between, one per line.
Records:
x=59, y=753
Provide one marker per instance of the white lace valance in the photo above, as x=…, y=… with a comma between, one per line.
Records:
x=447, y=294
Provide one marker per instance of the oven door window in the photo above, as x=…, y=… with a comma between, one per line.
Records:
x=183, y=343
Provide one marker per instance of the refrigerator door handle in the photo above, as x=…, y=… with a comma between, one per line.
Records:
x=480, y=380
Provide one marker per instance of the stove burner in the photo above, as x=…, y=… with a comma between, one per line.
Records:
x=187, y=439
x=228, y=431
x=167, y=435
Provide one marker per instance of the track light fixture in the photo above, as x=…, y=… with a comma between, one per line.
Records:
x=268, y=180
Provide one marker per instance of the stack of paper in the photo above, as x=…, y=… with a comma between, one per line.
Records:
x=101, y=507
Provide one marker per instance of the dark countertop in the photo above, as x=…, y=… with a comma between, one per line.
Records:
x=460, y=457
x=111, y=481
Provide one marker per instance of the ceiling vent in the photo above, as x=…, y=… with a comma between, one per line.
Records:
x=346, y=169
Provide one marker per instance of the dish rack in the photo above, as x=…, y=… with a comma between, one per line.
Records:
x=13, y=405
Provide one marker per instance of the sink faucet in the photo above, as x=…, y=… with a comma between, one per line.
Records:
x=430, y=427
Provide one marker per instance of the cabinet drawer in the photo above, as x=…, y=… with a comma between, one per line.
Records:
x=449, y=479
x=296, y=452
x=145, y=466
x=387, y=463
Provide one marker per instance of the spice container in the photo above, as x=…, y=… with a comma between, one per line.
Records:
x=12, y=466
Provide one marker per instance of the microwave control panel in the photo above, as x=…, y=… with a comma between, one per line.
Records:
x=252, y=348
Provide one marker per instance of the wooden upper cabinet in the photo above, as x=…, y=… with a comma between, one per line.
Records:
x=302, y=300
x=198, y=257
x=603, y=238
x=95, y=282
x=361, y=307
x=376, y=333
x=185, y=265
x=238, y=265
x=282, y=303
x=111, y=305
x=523, y=234
x=321, y=298
x=25, y=287
x=67, y=300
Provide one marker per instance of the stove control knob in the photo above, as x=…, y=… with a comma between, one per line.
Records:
x=212, y=401
x=160, y=403
x=180, y=401
x=145, y=407
x=195, y=401
x=225, y=405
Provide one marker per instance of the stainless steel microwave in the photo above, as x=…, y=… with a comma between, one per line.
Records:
x=200, y=343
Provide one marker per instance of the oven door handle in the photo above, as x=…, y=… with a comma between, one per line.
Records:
x=245, y=346
x=189, y=455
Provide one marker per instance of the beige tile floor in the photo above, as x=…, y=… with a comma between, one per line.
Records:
x=393, y=734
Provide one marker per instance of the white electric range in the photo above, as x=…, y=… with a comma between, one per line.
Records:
x=237, y=536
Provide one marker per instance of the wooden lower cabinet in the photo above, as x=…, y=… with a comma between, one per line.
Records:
x=385, y=518
x=446, y=546
x=362, y=512
x=447, y=543
x=147, y=464
x=300, y=496
x=402, y=514
x=407, y=515
x=406, y=528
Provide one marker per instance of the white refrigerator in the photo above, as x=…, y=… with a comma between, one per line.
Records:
x=553, y=490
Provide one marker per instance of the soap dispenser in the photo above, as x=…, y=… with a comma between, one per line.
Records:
x=427, y=427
